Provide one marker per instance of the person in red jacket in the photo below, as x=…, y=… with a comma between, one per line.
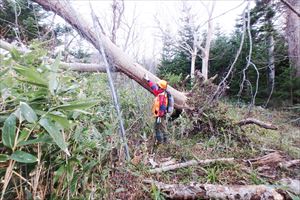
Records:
x=159, y=108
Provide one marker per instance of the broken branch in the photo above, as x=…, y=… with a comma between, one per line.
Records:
x=257, y=122
x=189, y=163
x=290, y=163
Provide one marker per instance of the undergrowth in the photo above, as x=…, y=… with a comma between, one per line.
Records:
x=33, y=154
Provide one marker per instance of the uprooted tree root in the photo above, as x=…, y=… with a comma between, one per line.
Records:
x=207, y=115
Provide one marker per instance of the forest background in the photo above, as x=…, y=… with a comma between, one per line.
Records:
x=47, y=106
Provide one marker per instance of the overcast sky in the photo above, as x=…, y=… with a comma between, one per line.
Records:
x=167, y=12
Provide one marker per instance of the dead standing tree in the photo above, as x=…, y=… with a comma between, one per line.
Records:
x=196, y=46
x=292, y=31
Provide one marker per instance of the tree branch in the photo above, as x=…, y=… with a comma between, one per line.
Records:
x=290, y=7
x=218, y=92
x=257, y=122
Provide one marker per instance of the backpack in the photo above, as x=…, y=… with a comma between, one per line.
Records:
x=163, y=103
x=170, y=105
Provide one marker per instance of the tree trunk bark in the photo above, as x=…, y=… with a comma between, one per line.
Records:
x=271, y=64
x=293, y=36
x=207, y=43
x=123, y=63
x=193, y=63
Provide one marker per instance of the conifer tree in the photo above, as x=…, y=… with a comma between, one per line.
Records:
x=20, y=19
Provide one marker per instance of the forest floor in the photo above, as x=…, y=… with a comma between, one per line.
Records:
x=259, y=161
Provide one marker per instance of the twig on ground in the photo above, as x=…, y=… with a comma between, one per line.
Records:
x=257, y=122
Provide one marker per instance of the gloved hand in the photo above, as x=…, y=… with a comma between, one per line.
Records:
x=146, y=77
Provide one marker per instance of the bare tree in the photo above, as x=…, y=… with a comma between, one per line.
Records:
x=205, y=50
x=196, y=46
x=118, y=10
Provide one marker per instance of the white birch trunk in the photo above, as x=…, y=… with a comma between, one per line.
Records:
x=206, y=49
x=193, y=63
x=271, y=65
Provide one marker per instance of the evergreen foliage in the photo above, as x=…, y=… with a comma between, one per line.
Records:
x=20, y=19
x=176, y=60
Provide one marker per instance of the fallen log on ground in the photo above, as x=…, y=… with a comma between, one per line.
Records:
x=290, y=163
x=210, y=191
x=257, y=122
x=189, y=163
x=270, y=159
x=81, y=67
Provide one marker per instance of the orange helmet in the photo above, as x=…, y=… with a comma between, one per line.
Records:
x=162, y=84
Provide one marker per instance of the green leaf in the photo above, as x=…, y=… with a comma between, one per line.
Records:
x=8, y=131
x=54, y=133
x=19, y=115
x=23, y=135
x=74, y=183
x=294, y=197
x=53, y=83
x=32, y=83
x=59, y=118
x=78, y=105
x=40, y=139
x=59, y=173
x=31, y=75
x=3, y=72
x=28, y=112
x=4, y=157
x=3, y=118
x=23, y=157
x=15, y=54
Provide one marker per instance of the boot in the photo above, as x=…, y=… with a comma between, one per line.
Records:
x=165, y=139
x=159, y=137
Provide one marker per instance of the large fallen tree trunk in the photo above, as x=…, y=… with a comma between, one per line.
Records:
x=81, y=67
x=210, y=191
x=123, y=63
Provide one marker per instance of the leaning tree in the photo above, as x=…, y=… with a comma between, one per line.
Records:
x=121, y=61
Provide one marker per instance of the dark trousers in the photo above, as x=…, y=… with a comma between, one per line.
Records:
x=160, y=127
